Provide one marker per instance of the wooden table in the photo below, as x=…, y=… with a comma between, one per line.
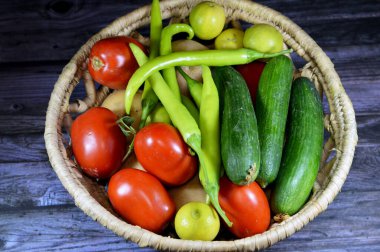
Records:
x=37, y=38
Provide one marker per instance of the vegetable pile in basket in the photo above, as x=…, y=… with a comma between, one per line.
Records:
x=192, y=136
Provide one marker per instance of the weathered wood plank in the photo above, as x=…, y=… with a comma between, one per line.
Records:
x=368, y=130
x=30, y=147
x=25, y=90
x=42, y=26
x=341, y=32
x=342, y=223
x=33, y=184
x=322, y=10
x=30, y=184
x=21, y=138
x=364, y=165
x=25, y=124
x=22, y=148
x=67, y=228
x=22, y=124
x=64, y=228
x=360, y=79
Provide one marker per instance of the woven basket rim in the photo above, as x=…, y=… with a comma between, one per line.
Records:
x=339, y=104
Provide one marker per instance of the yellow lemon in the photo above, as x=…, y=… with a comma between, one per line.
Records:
x=230, y=39
x=207, y=19
x=197, y=221
x=263, y=38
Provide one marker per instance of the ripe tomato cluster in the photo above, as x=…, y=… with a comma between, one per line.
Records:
x=99, y=147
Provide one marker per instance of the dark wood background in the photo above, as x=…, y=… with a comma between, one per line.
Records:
x=37, y=38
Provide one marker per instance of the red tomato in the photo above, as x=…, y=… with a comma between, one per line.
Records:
x=98, y=143
x=111, y=61
x=246, y=207
x=251, y=73
x=160, y=149
x=141, y=199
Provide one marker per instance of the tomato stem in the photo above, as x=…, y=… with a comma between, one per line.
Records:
x=96, y=63
x=125, y=125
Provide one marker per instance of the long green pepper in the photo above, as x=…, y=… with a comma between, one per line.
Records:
x=173, y=106
x=185, y=123
x=192, y=58
x=155, y=29
x=149, y=99
x=166, y=48
x=191, y=107
x=195, y=87
x=209, y=120
x=210, y=131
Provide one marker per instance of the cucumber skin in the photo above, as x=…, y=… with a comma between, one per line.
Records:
x=303, y=149
x=272, y=102
x=240, y=148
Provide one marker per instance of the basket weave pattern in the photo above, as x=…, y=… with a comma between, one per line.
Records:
x=91, y=198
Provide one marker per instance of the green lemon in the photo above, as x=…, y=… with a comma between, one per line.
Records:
x=230, y=39
x=207, y=20
x=197, y=221
x=263, y=38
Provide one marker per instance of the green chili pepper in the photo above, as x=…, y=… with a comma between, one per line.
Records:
x=185, y=123
x=155, y=29
x=195, y=87
x=191, y=107
x=209, y=118
x=149, y=99
x=180, y=116
x=210, y=131
x=192, y=58
x=159, y=114
x=166, y=47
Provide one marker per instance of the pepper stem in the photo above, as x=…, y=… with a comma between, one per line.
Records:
x=253, y=55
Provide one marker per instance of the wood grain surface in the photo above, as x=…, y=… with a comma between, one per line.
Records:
x=37, y=38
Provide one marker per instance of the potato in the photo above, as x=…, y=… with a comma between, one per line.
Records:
x=187, y=45
x=115, y=103
x=136, y=109
x=194, y=72
x=132, y=162
x=189, y=192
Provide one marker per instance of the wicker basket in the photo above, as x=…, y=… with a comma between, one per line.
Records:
x=338, y=152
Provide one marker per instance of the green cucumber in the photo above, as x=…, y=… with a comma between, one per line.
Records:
x=240, y=149
x=272, y=102
x=302, y=151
